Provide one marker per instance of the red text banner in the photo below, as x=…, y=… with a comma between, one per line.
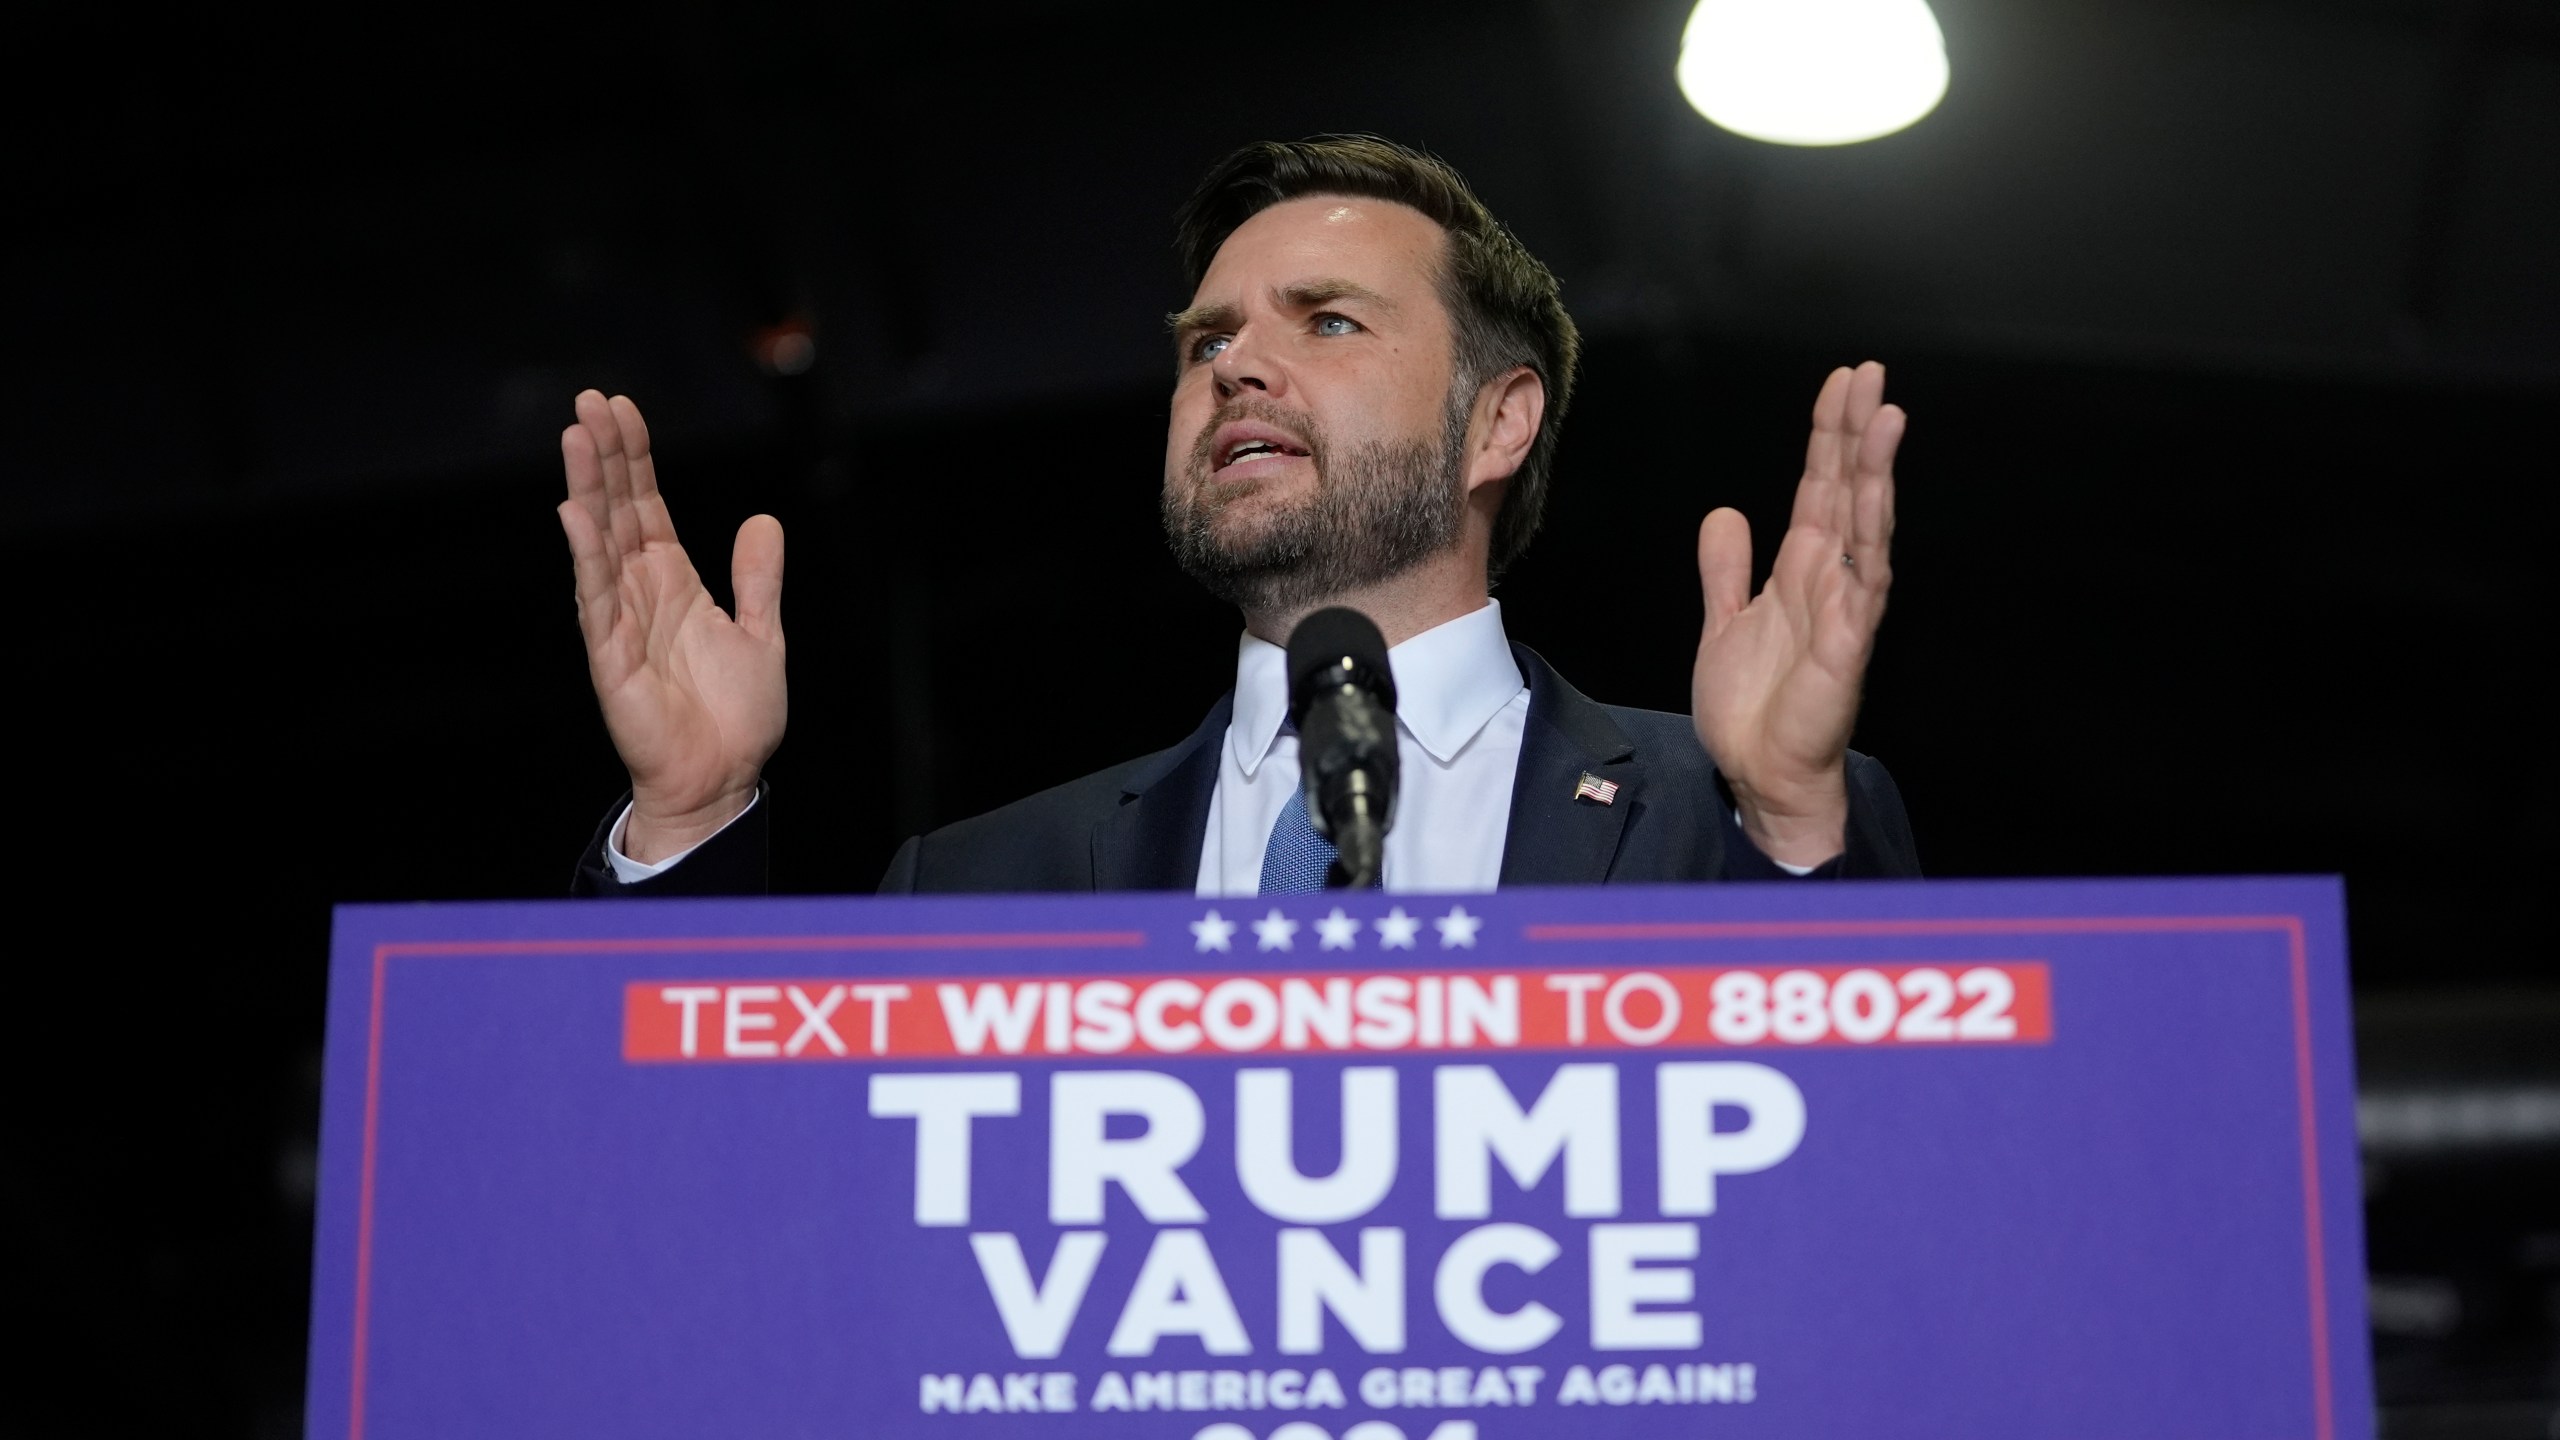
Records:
x=1989, y=1002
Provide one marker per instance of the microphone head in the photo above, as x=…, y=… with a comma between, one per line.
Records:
x=1334, y=647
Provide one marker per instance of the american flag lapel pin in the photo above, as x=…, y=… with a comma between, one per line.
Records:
x=1592, y=787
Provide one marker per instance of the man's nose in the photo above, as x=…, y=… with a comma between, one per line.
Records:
x=1241, y=366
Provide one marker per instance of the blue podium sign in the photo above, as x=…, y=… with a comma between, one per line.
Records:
x=2068, y=1159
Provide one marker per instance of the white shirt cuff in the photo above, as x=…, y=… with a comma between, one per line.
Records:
x=632, y=872
x=1796, y=870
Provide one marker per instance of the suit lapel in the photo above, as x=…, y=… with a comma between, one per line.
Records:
x=1554, y=838
x=1152, y=842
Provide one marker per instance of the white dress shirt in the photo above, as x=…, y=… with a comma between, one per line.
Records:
x=1461, y=708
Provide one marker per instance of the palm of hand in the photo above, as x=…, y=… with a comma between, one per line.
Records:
x=694, y=699
x=1775, y=691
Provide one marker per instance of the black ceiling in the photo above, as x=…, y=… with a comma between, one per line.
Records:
x=270, y=256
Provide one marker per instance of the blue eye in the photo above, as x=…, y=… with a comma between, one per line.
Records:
x=1325, y=325
x=1209, y=346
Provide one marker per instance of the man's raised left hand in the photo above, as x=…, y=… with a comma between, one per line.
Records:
x=1775, y=692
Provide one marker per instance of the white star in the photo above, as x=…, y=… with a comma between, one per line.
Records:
x=1274, y=930
x=1213, y=932
x=1340, y=931
x=1397, y=930
x=1458, y=928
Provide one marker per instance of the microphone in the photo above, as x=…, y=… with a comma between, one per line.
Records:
x=1342, y=698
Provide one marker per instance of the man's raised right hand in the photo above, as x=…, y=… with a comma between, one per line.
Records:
x=694, y=700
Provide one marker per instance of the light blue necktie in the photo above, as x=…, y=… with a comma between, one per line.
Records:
x=1297, y=859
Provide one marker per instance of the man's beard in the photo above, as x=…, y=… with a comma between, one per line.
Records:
x=1379, y=508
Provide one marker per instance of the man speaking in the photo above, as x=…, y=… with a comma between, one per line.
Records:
x=1371, y=375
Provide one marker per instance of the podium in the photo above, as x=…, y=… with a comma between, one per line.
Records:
x=2068, y=1159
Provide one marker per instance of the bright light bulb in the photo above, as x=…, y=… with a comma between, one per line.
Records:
x=1813, y=72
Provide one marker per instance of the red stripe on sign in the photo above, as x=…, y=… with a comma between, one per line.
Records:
x=1989, y=1002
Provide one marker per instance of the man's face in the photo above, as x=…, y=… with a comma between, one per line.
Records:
x=1313, y=446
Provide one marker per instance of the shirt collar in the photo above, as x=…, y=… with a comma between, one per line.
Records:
x=1451, y=680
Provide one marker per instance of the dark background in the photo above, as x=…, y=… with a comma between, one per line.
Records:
x=2230, y=334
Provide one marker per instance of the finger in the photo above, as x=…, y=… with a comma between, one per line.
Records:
x=1823, y=453
x=590, y=556
x=1724, y=566
x=596, y=414
x=586, y=490
x=648, y=506
x=1864, y=396
x=1871, y=485
x=1857, y=412
x=755, y=577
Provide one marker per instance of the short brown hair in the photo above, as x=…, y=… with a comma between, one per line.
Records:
x=1503, y=304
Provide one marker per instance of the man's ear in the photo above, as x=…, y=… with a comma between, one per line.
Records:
x=1508, y=410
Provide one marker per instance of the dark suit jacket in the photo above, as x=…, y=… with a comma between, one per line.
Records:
x=1139, y=826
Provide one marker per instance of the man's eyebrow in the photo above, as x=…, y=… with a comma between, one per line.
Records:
x=1200, y=318
x=1305, y=295
x=1311, y=293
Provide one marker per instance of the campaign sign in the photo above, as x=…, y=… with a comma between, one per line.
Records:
x=2049, y=1159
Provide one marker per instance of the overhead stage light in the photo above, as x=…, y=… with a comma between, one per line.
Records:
x=1813, y=72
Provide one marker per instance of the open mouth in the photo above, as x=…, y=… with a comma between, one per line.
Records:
x=1252, y=444
x=1255, y=450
